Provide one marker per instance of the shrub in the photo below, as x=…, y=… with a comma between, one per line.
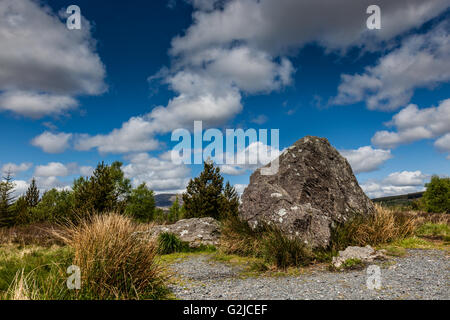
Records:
x=437, y=196
x=55, y=206
x=114, y=263
x=170, y=243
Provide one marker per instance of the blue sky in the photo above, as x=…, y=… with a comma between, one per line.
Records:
x=137, y=70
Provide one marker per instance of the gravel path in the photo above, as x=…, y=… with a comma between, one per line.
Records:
x=421, y=274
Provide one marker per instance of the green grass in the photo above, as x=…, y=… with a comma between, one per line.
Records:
x=353, y=263
x=414, y=243
x=170, y=243
x=434, y=230
x=395, y=251
x=284, y=251
x=44, y=268
x=398, y=248
x=267, y=242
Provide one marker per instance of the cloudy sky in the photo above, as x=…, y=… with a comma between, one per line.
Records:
x=137, y=70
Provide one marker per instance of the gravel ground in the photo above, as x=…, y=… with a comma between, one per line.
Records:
x=421, y=274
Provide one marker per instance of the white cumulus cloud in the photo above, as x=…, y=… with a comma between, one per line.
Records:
x=158, y=174
x=52, y=142
x=414, y=124
x=421, y=61
x=43, y=64
x=366, y=159
x=396, y=183
x=14, y=169
x=55, y=169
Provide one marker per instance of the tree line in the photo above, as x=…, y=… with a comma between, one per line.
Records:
x=108, y=190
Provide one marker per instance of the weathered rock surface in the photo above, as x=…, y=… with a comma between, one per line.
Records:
x=195, y=231
x=313, y=189
x=365, y=254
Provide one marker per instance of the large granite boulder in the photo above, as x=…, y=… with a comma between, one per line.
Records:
x=313, y=189
x=195, y=231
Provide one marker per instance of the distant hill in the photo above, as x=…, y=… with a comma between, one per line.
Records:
x=165, y=200
x=403, y=199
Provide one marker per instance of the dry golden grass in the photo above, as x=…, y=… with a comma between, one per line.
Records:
x=114, y=262
x=239, y=238
x=20, y=288
x=384, y=226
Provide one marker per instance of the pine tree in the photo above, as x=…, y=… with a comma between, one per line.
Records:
x=106, y=190
x=203, y=196
x=32, y=194
x=175, y=211
x=141, y=204
x=6, y=200
x=22, y=211
x=96, y=194
x=230, y=202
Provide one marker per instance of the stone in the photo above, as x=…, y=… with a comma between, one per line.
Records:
x=313, y=190
x=195, y=231
x=364, y=254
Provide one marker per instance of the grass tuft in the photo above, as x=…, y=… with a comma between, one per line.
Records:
x=265, y=242
x=285, y=251
x=169, y=243
x=114, y=263
x=383, y=227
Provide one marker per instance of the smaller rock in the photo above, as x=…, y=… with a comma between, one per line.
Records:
x=195, y=231
x=365, y=254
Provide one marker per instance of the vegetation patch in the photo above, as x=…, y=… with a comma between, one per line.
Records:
x=439, y=231
x=266, y=242
x=33, y=272
x=170, y=243
x=399, y=247
x=384, y=226
x=115, y=264
x=352, y=264
x=395, y=251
